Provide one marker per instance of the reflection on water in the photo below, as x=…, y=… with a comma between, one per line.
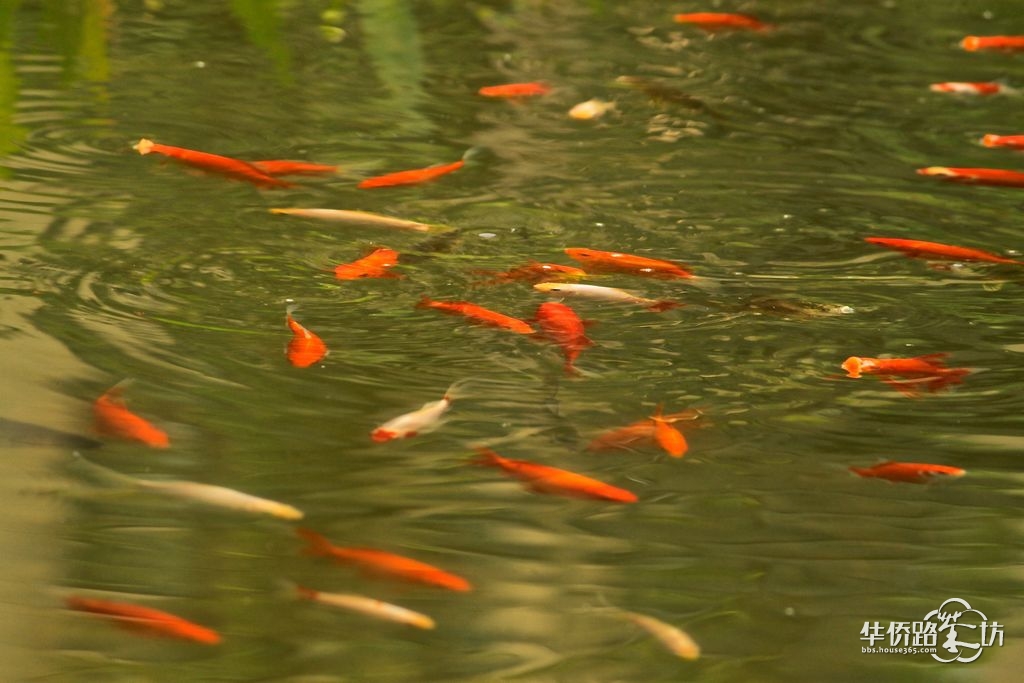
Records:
x=761, y=161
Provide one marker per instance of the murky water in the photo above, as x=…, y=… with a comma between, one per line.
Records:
x=764, y=163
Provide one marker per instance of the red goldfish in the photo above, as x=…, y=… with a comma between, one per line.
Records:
x=928, y=370
x=961, y=88
x=417, y=422
x=535, y=272
x=478, y=314
x=668, y=437
x=560, y=324
x=111, y=417
x=233, y=168
x=641, y=431
x=626, y=263
x=305, y=348
x=383, y=563
x=413, y=177
x=545, y=479
x=1008, y=43
x=276, y=167
x=719, y=21
x=910, y=472
x=975, y=176
x=533, y=89
x=375, y=264
x=1012, y=141
x=937, y=250
x=145, y=619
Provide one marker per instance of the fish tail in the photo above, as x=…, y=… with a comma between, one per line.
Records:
x=303, y=592
x=473, y=154
x=485, y=456
x=862, y=471
x=658, y=414
x=665, y=305
x=424, y=302
x=455, y=389
x=318, y=544
x=105, y=473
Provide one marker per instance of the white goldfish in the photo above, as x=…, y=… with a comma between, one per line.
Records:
x=368, y=606
x=600, y=293
x=355, y=218
x=676, y=640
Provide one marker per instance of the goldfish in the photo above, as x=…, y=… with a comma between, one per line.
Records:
x=533, y=89
x=642, y=430
x=1008, y=43
x=560, y=323
x=417, y=422
x=929, y=371
x=305, y=348
x=668, y=437
x=676, y=640
x=614, y=261
x=545, y=479
x=413, y=177
x=961, y=88
x=591, y=109
x=718, y=21
x=610, y=294
x=534, y=271
x=478, y=314
x=375, y=264
x=660, y=92
x=276, y=167
x=910, y=472
x=111, y=417
x=975, y=176
x=937, y=250
x=368, y=606
x=1012, y=141
x=383, y=563
x=145, y=619
x=233, y=168
x=374, y=220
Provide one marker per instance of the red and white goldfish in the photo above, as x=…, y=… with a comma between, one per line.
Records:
x=145, y=619
x=941, y=251
x=614, y=261
x=637, y=432
x=545, y=479
x=374, y=220
x=373, y=265
x=599, y=293
x=974, y=88
x=305, y=348
x=910, y=472
x=1007, y=43
x=1011, y=141
x=478, y=314
x=532, y=89
x=929, y=371
x=722, y=21
x=368, y=606
x=214, y=163
x=382, y=563
x=560, y=324
x=975, y=176
x=276, y=167
x=677, y=641
x=413, y=177
x=111, y=417
x=419, y=421
x=535, y=271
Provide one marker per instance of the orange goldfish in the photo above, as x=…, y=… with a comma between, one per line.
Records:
x=305, y=348
x=640, y=431
x=560, y=323
x=111, y=417
x=383, y=563
x=668, y=437
x=1008, y=43
x=929, y=371
x=533, y=89
x=276, y=167
x=417, y=422
x=1011, y=141
x=478, y=314
x=413, y=177
x=145, y=619
x=373, y=265
x=937, y=250
x=545, y=479
x=975, y=176
x=368, y=606
x=962, y=88
x=233, y=168
x=627, y=263
x=719, y=21
x=535, y=272
x=910, y=472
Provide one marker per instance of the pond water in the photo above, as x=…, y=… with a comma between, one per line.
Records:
x=761, y=161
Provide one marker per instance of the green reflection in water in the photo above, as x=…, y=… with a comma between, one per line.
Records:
x=11, y=135
x=262, y=23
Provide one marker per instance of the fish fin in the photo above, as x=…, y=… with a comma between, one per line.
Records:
x=664, y=305
x=659, y=416
x=318, y=544
x=931, y=357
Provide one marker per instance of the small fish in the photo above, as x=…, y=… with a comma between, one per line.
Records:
x=374, y=220
x=545, y=479
x=975, y=176
x=721, y=21
x=413, y=177
x=928, y=371
x=478, y=314
x=373, y=265
x=614, y=261
x=1011, y=141
x=368, y=606
x=533, y=89
x=636, y=432
x=668, y=437
x=276, y=167
x=383, y=563
x=560, y=324
x=145, y=619
x=591, y=109
x=610, y=294
x=233, y=168
x=676, y=640
x=942, y=251
x=419, y=421
x=305, y=348
x=667, y=94
x=910, y=472
x=1007, y=43
x=964, y=88
x=111, y=417
x=535, y=271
